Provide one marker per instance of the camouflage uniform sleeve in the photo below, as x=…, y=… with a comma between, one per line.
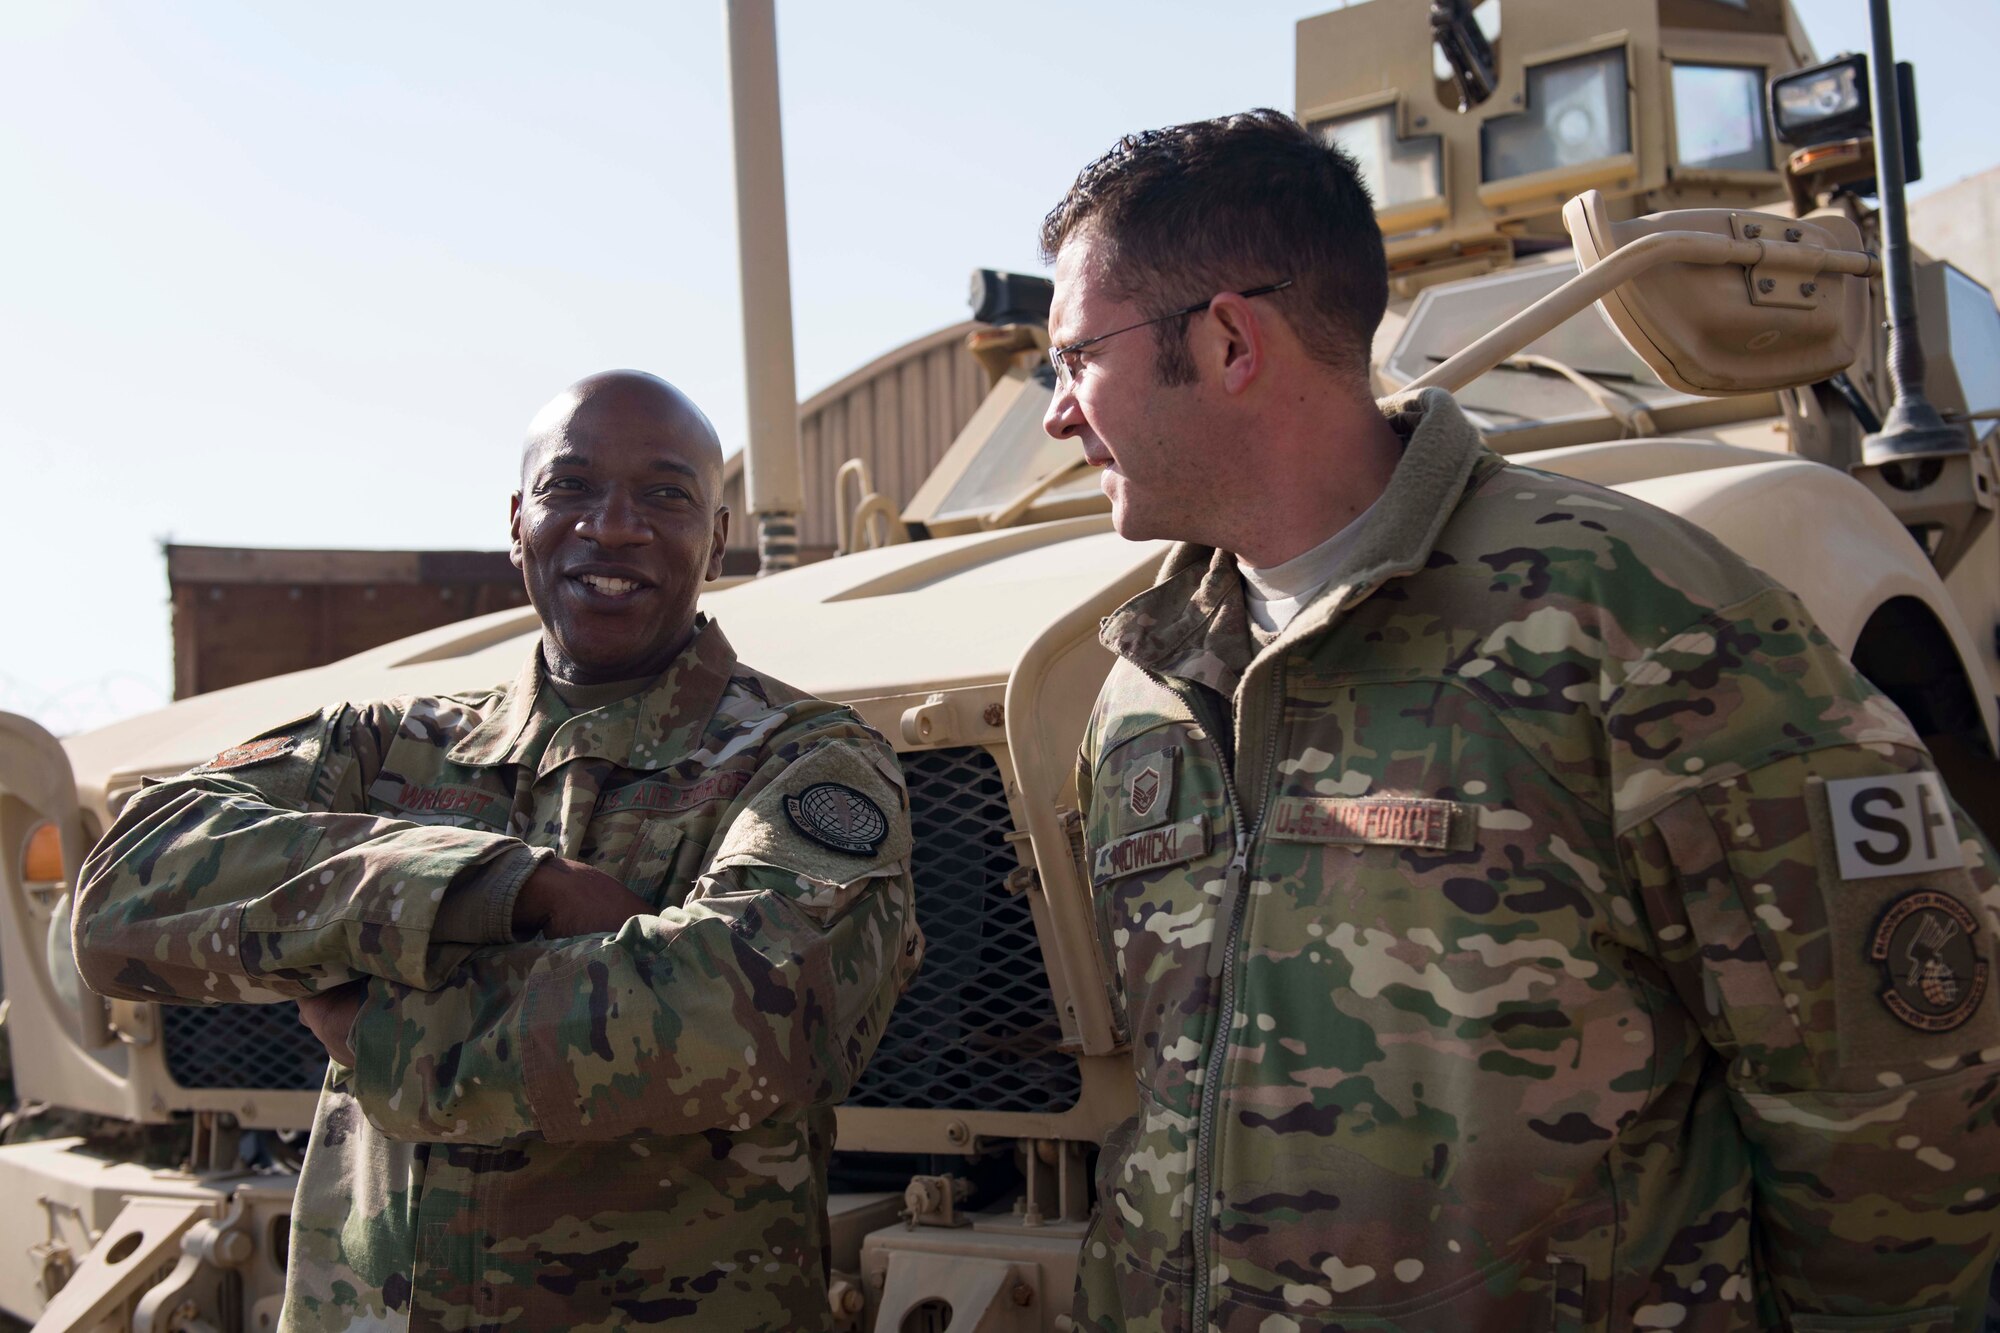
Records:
x=1086, y=763
x=1828, y=919
x=765, y=992
x=254, y=878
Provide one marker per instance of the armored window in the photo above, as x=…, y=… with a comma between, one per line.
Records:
x=1577, y=112
x=1719, y=120
x=1397, y=171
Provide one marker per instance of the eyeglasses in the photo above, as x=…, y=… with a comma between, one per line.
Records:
x=1063, y=358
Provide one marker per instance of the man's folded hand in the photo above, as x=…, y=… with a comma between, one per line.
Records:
x=331, y=1014
x=563, y=898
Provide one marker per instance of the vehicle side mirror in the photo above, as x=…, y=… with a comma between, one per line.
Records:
x=1748, y=327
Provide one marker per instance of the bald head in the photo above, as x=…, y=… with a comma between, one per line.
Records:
x=618, y=523
x=621, y=403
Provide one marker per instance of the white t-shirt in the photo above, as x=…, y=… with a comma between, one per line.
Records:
x=1274, y=596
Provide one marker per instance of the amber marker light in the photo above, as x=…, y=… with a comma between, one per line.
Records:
x=41, y=859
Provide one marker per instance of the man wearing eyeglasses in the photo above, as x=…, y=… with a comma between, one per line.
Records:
x=1524, y=917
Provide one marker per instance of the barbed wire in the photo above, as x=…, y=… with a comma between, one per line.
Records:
x=84, y=706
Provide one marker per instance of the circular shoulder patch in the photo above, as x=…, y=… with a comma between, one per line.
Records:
x=837, y=816
x=1934, y=975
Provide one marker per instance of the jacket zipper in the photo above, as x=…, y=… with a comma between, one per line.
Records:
x=1221, y=963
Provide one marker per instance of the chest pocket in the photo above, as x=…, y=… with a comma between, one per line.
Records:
x=642, y=853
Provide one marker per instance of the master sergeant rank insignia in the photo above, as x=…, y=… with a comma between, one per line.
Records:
x=837, y=816
x=1145, y=790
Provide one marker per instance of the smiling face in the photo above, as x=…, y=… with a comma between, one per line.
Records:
x=1144, y=434
x=618, y=523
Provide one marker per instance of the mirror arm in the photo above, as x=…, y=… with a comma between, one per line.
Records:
x=1007, y=514
x=1623, y=264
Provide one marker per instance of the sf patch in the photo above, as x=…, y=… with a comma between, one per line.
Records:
x=1894, y=824
x=835, y=815
x=1933, y=975
x=251, y=752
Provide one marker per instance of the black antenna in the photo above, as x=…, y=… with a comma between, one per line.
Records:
x=1912, y=429
x=1465, y=49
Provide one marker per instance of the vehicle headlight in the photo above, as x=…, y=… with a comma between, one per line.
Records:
x=1825, y=102
x=41, y=855
x=42, y=870
x=61, y=957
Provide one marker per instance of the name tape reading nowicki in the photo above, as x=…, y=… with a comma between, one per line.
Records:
x=1136, y=852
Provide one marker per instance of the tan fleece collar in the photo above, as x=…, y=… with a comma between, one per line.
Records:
x=644, y=730
x=1191, y=623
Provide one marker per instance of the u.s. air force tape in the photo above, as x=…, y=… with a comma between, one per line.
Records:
x=835, y=815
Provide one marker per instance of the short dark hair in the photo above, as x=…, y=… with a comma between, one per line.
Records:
x=1218, y=205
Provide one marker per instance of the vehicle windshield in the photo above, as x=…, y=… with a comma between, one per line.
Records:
x=1014, y=452
x=1017, y=454
x=1447, y=318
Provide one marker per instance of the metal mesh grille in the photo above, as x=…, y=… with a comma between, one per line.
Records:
x=241, y=1046
x=978, y=1028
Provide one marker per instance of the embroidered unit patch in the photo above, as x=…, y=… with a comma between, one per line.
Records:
x=251, y=752
x=1934, y=975
x=837, y=816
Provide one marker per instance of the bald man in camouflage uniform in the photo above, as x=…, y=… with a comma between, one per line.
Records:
x=623, y=1123
x=1526, y=919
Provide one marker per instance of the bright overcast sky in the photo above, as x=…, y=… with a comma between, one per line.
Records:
x=297, y=275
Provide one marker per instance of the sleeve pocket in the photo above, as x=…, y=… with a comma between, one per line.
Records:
x=1737, y=975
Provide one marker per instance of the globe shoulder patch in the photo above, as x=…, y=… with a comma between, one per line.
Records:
x=835, y=815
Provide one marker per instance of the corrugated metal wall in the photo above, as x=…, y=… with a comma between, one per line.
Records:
x=242, y=614
x=899, y=412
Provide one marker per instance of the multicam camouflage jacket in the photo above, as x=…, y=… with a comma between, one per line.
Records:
x=610, y=1131
x=1547, y=930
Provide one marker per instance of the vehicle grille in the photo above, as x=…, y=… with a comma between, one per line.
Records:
x=977, y=1029
x=241, y=1046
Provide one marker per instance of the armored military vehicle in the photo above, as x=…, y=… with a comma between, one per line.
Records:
x=1634, y=236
